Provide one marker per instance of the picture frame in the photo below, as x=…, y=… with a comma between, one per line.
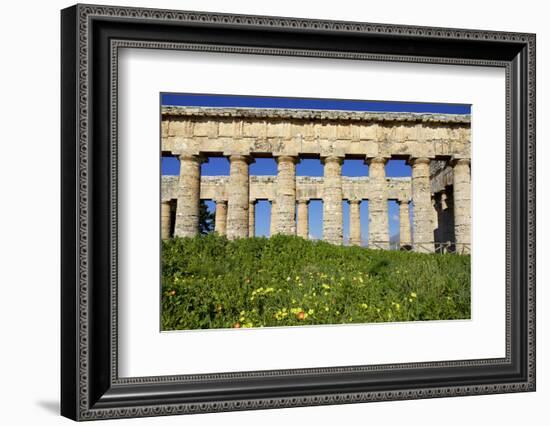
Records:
x=90, y=385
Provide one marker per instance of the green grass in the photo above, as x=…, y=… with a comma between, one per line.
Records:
x=210, y=282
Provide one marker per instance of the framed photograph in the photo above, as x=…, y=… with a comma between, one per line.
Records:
x=263, y=212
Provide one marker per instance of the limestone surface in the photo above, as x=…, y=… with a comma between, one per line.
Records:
x=434, y=204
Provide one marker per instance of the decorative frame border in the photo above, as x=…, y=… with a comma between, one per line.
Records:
x=85, y=396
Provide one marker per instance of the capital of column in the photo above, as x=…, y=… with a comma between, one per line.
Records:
x=192, y=158
x=303, y=201
x=354, y=201
x=253, y=202
x=417, y=161
x=287, y=159
x=401, y=201
x=218, y=201
x=332, y=159
x=236, y=158
x=460, y=162
x=376, y=160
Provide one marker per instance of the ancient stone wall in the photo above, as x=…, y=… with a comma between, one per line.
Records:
x=437, y=146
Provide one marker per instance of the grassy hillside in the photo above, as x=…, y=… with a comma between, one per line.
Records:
x=210, y=282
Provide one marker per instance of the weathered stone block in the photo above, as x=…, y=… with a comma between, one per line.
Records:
x=332, y=135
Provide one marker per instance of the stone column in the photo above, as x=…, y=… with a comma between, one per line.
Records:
x=303, y=219
x=447, y=219
x=378, y=204
x=273, y=220
x=422, y=205
x=165, y=218
x=238, y=197
x=442, y=220
x=286, y=195
x=332, y=200
x=220, y=223
x=435, y=221
x=404, y=224
x=355, y=222
x=462, y=204
x=252, y=218
x=187, y=210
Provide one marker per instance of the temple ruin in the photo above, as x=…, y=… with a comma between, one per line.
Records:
x=436, y=146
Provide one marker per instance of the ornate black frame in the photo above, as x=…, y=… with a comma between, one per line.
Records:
x=91, y=388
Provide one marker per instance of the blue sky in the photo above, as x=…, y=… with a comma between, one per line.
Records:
x=307, y=167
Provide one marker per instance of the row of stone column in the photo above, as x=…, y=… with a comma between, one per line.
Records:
x=380, y=239
x=235, y=218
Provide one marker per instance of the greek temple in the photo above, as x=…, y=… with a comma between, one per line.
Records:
x=434, y=203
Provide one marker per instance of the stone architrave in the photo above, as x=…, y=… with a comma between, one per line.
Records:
x=187, y=213
x=378, y=204
x=355, y=222
x=404, y=224
x=286, y=195
x=165, y=220
x=238, y=197
x=332, y=200
x=303, y=219
x=220, y=221
x=252, y=218
x=462, y=204
x=423, y=240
